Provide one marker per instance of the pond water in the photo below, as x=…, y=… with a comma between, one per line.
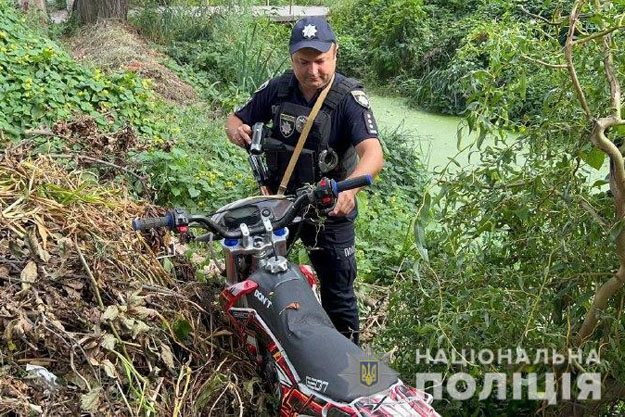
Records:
x=436, y=134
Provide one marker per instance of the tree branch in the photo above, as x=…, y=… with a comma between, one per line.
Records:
x=598, y=34
x=615, y=86
x=568, y=54
x=539, y=17
x=541, y=62
x=600, y=302
x=617, y=185
x=617, y=171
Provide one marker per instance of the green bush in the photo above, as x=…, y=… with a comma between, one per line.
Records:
x=378, y=35
x=40, y=84
x=202, y=170
x=226, y=65
x=511, y=251
x=386, y=210
x=434, y=51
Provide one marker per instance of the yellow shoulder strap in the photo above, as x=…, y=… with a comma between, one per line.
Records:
x=303, y=137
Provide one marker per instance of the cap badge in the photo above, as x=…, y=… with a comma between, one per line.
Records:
x=310, y=31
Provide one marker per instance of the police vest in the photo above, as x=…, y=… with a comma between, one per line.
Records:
x=317, y=159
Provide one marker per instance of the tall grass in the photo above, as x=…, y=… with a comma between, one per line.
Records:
x=166, y=24
x=227, y=53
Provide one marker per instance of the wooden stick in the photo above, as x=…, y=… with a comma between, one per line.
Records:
x=98, y=161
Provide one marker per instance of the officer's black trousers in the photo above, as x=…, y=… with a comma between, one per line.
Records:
x=331, y=251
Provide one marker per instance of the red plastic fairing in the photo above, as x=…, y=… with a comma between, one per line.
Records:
x=398, y=401
x=233, y=293
x=277, y=356
x=296, y=403
x=309, y=274
x=345, y=411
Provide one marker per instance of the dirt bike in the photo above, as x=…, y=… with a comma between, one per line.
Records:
x=274, y=309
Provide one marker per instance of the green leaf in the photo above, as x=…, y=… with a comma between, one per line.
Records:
x=193, y=192
x=167, y=265
x=523, y=86
x=481, y=137
x=522, y=213
x=594, y=158
x=182, y=328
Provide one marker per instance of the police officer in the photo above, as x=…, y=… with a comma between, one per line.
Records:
x=342, y=143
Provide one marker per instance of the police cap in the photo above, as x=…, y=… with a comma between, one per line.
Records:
x=311, y=32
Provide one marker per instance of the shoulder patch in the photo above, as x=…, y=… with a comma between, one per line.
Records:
x=262, y=86
x=361, y=98
x=372, y=126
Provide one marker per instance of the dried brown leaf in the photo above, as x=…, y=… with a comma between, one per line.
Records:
x=108, y=342
x=109, y=368
x=110, y=313
x=167, y=356
x=28, y=275
x=90, y=401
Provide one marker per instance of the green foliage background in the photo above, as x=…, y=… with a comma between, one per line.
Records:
x=502, y=255
x=41, y=83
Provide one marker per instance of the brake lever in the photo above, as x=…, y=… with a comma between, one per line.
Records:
x=186, y=237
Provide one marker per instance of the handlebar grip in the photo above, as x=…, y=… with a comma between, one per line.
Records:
x=357, y=182
x=152, y=223
x=255, y=146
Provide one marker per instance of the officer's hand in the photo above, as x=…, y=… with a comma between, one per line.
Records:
x=241, y=136
x=344, y=203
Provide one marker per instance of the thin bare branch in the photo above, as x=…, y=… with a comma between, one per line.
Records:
x=615, y=86
x=568, y=54
x=43, y=132
x=598, y=35
x=539, y=17
x=541, y=62
x=98, y=161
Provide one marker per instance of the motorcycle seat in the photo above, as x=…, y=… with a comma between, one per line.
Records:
x=324, y=359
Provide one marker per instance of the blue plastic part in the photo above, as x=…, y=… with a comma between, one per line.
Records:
x=280, y=232
x=136, y=224
x=231, y=242
x=335, y=188
x=351, y=183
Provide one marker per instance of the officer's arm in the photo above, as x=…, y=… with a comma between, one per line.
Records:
x=238, y=132
x=370, y=154
x=370, y=157
x=257, y=109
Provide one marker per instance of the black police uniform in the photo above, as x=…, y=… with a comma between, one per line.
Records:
x=344, y=121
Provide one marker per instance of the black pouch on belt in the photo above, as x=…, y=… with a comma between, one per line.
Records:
x=278, y=156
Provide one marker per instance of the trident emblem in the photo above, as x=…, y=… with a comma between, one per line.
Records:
x=368, y=373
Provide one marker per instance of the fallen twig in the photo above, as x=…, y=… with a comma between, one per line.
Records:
x=142, y=178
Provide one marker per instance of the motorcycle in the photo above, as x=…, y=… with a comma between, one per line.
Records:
x=273, y=307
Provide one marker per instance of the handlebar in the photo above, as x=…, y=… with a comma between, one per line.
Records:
x=351, y=183
x=152, y=223
x=324, y=192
